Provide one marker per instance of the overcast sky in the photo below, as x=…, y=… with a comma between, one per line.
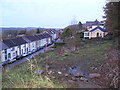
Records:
x=49, y=13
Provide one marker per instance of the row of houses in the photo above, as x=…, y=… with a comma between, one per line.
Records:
x=16, y=48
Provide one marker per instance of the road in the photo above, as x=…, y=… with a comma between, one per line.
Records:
x=17, y=62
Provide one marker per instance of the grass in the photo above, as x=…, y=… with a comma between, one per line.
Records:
x=23, y=76
x=92, y=55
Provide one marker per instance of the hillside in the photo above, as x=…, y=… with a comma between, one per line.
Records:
x=52, y=69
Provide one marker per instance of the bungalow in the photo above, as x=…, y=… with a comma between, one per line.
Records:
x=95, y=32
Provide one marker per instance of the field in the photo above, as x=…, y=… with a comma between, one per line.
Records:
x=55, y=67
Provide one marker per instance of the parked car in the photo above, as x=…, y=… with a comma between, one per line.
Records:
x=29, y=52
x=12, y=60
x=33, y=50
x=25, y=54
x=19, y=57
x=5, y=62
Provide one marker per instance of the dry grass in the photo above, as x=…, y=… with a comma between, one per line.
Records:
x=24, y=76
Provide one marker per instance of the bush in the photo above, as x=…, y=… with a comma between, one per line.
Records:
x=109, y=36
x=65, y=54
x=57, y=44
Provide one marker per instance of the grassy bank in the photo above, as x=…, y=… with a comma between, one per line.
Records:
x=24, y=76
x=92, y=55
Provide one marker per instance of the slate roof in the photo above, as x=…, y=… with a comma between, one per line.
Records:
x=26, y=39
x=46, y=35
x=102, y=29
x=40, y=36
x=18, y=41
x=32, y=38
x=3, y=46
x=9, y=43
x=22, y=40
x=90, y=23
x=50, y=32
x=54, y=31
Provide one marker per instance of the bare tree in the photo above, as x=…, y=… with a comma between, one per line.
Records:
x=74, y=20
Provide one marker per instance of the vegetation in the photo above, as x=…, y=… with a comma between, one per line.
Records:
x=112, y=16
x=21, y=32
x=57, y=44
x=24, y=75
x=93, y=53
x=12, y=33
x=67, y=32
x=6, y=34
x=80, y=25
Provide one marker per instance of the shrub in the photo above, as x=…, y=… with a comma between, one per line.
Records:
x=57, y=44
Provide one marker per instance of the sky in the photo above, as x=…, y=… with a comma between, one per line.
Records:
x=49, y=13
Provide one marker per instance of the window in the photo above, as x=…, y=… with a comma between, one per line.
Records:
x=86, y=34
x=103, y=34
x=22, y=51
x=33, y=45
x=9, y=56
x=97, y=34
x=13, y=54
x=16, y=53
x=27, y=49
x=5, y=51
x=6, y=56
x=19, y=49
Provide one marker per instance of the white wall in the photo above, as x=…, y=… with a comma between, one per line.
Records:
x=43, y=42
x=3, y=55
x=27, y=47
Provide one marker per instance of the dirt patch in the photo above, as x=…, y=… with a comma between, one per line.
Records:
x=109, y=70
x=94, y=57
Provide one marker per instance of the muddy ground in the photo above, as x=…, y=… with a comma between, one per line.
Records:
x=58, y=69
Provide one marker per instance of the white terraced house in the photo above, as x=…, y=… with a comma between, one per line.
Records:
x=15, y=48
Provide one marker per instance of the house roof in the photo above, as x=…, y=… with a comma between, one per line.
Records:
x=26, y=39
x=40, y=36
x=22, y=40
x=32, y=38
x=46, y=35
x=90, y=23
x=102, y=29
x=50, y=32
x=18, y=41
x=3, y=46
x=9, y=43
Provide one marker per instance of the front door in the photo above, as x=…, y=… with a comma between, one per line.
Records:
x=97, y=34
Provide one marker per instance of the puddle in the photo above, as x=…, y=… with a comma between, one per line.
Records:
x=77, y=72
